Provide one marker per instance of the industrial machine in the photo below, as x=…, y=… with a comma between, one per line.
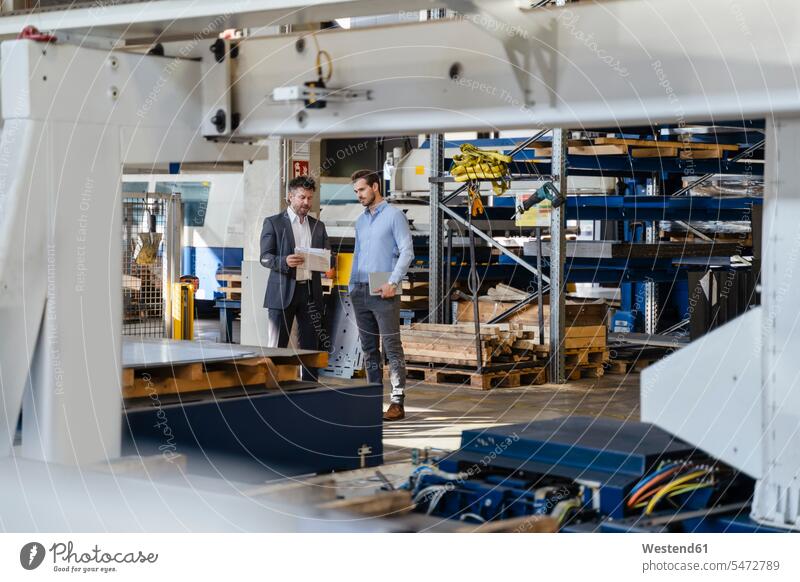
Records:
x=76, y=109
x=590, y=474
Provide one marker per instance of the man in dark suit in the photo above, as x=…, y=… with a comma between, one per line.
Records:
x=292, y=290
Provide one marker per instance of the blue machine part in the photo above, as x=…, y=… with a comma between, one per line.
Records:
x=495, y=497
x=204, y=262
x=487, y=500
x=609, y=456
x=289, y=432
x=622, y=321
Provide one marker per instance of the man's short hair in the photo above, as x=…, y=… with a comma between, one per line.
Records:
x=305, y=182
x=371, y=176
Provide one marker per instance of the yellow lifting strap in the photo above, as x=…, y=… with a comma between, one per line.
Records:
x=475, y=202
x=474, y=164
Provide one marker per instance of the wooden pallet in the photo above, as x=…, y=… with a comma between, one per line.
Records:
x=487, y=379
x=204, y=376
x=231, y=293
x=232, y=285
x=576, y=357
x=627, y=366
x=585, y=371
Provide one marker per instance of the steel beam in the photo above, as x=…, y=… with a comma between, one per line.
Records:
x=558, y=252
x=175, y=18
x=566, y=83
x=435, y=279
x=650, y=287
x=470, y=227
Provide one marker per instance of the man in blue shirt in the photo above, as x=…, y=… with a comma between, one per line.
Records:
x=383, y=245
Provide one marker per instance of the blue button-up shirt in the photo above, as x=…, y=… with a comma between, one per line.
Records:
x=383, y=244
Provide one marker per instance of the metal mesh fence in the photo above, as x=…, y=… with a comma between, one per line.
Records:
x=143, y=273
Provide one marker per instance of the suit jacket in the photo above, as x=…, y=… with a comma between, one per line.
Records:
x=277, y=242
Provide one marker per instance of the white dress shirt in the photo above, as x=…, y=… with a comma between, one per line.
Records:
x=302, y=238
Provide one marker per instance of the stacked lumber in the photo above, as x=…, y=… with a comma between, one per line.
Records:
x=585, y=343
x=447, y=354
x=455, y=344
x=577, y=312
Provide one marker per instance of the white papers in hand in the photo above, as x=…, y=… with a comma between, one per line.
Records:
x=314, y=259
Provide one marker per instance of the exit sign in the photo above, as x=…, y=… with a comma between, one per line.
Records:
x=299, y=168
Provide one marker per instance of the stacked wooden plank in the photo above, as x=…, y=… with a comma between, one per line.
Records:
x=447, y=354
x=584, y=343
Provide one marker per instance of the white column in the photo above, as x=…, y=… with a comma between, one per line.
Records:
x=72, y=409
x=263, y=196
x=777, y=499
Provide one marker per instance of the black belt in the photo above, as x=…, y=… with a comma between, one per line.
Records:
x=306, y=282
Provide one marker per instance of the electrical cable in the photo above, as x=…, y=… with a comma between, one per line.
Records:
x=471, y=516
x=655, y=479
x=690, y=487
x=437, y=497
x=646, y=478
x=562, y=509
x=671, y=486
x=429, y=489
x=678, y=491
x=320, y=54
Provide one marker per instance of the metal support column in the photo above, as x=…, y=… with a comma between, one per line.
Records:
x=436, y=300
x=448, y=278
x=558, y=253
x=539, y=285
x=172, y=264
x=650, y=286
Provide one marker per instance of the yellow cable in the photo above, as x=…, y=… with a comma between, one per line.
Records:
x=688, y=488
x=320, y=53
x=671, y=486
x=678, y=491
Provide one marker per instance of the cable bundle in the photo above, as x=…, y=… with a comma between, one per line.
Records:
x=669, y=481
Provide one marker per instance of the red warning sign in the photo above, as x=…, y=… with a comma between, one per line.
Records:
x=299, y=168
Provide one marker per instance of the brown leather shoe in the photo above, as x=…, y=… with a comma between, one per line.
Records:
x=395, y=412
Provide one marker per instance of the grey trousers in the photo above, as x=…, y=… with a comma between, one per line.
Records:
x=309, y=324
x=378, y=321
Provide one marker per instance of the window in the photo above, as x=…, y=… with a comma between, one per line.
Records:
x=134, y=187
x=194, y=196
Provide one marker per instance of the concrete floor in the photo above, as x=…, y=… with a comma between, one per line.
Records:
x=436, y=415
